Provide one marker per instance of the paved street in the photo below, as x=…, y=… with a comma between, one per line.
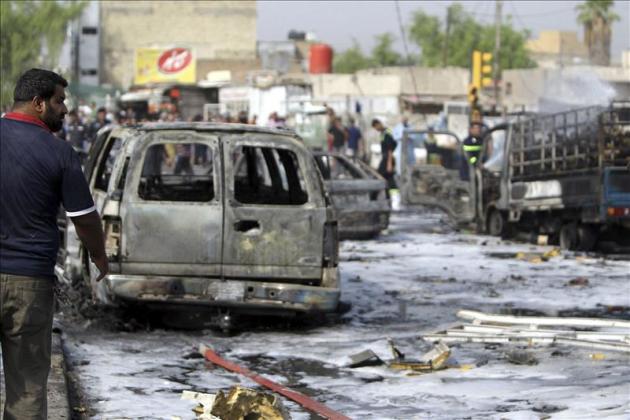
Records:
x=408, y=282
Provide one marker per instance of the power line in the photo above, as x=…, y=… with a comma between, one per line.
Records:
x=404, y=40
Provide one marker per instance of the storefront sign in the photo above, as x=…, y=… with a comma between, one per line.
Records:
x=158, y=65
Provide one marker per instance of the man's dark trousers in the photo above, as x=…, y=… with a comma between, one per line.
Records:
x=26, y=315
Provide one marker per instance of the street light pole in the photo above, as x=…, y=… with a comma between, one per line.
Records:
x=497, y=49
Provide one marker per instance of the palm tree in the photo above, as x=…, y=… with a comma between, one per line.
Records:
x=597, y=18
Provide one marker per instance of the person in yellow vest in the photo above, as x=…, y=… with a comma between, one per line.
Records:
x=473, y=143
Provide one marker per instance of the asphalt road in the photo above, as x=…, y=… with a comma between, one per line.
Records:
x=409, y=281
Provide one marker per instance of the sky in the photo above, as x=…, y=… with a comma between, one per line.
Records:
x=339, y=22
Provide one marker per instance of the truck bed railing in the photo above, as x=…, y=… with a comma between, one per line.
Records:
x=571, y=142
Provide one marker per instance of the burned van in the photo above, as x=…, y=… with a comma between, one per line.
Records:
x=358, y=194
x=214, y=215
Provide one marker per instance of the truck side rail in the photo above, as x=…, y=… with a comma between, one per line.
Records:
x=569, y=143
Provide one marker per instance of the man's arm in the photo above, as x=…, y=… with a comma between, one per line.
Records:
x=90, y=232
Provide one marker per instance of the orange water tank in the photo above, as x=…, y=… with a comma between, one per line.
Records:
x=320, y=60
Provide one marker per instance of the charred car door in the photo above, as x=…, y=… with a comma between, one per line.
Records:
x=358, y=194
x=434, y=174
x=172, y=207
x=274, y=211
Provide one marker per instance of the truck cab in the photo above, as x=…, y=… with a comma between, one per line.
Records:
x=565, y=176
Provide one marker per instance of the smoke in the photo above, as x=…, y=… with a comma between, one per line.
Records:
x=574, y=88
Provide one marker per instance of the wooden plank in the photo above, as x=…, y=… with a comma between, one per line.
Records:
x=541, y=320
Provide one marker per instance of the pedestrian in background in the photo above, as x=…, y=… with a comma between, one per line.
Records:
x=388, y=145
x=38, y=172
x=399, y=132
x=355, y=139
x=337, y=136
x=100, y=122
x=76, y=133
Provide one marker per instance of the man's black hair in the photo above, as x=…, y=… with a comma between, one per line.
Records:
x=101, y=109
x=37, y=82
x=375, y=121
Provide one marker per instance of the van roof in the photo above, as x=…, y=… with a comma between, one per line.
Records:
x=213, y=126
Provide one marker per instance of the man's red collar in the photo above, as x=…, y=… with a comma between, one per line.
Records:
x=18, y=116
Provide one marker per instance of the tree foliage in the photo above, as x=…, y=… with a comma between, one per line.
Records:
x=465, y=34
x=351, y=60
x=383, y=53
x=597, y=18
x=31, y=34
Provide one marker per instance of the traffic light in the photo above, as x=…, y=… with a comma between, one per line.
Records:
x=481, y=69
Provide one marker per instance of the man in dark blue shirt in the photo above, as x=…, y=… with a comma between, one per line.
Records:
x=354, y=139
x=38, y=172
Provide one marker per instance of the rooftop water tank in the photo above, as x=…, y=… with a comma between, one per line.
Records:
x=320, y=60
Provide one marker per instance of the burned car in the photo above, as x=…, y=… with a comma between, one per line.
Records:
x=223, y=216
x=358, y=194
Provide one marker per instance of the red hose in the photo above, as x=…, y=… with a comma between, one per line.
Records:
x=303, y=400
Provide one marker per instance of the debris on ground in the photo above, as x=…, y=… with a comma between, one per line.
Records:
x=532, y=257
x=365, y=358
x=491, y=328
x=578, y=281
x=204, y=409
x=244, y=403
x=306, y=402
x=396, y=354
x=521, y=357
x=434, y=359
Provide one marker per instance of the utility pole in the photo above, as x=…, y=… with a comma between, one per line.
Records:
x=497, y=48
x=446, y=35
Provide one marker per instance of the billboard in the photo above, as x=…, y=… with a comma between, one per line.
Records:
x=165, y=65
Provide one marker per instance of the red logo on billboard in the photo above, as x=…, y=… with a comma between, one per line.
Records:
x=174, y=60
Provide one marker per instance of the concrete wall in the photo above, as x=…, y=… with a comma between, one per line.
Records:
x=444, y=82
x=221, y=30
x=327, y=85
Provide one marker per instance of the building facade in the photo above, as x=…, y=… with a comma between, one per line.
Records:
x=216, y=31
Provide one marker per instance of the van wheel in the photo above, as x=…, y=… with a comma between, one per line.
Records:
x=568, y=237
x=586, y=237
x=496, y=223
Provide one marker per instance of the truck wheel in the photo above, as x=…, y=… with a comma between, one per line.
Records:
x=586, y=237
x=496, y=223
x=568, y=237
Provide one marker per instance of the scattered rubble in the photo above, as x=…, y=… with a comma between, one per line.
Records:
x=206, y=401
x=578, y=281
x=521, y=357
x=303, y=400
x=365, y=358
x=434, y=359
x=532, y=257
x=243, y=403
x=239, y=403
x=490, y=328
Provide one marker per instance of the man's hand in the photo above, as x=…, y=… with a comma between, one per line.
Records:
x=90, y=231
x=103, y=266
